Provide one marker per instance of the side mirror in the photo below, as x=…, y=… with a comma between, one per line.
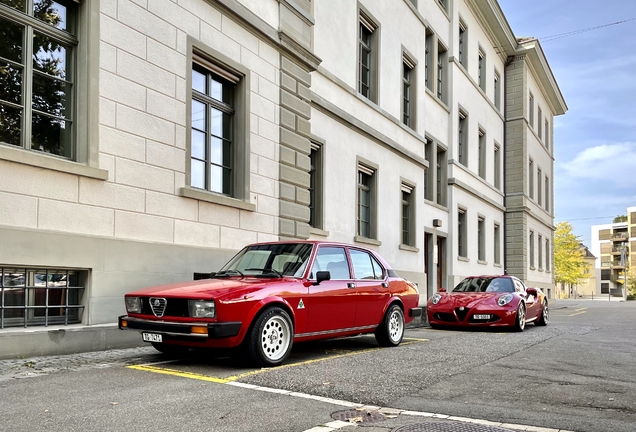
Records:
x=442, y=290
x=322, y=276
x=531, y=291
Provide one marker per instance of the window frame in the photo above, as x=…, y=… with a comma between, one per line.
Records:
x=364, y=168
x=368, y=26
x=316, y=179
x=481, y=238
x=408, y=207
x=441, y=175
x=539, y=188
x=531, y=250
x=540, y=251
x=462, y=43
x=409, y=91
x=497, y=243
x=481, y=75
x=462, y=231
x=497, y=89
x=497, y=166
x=481, y=162
x=442, y=52
x=531, y=110
x=531, y=178
x=462, y=135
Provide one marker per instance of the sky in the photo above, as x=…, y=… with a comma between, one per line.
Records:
x=595, y=141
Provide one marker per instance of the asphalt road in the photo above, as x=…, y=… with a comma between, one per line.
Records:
x=577, y=374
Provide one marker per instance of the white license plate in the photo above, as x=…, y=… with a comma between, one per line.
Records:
x=481, y=317
x=151, y=337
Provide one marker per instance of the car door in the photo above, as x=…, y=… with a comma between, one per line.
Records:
x=372, y=288
x=331, y=304
x=532, y=305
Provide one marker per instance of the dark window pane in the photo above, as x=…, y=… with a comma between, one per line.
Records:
x=50, y=95
x=227, y=154
x=52, y=12
x=227, y=183
x=198, y=115
x=10, y=83
x=11, y=40
x=198, y=80
x=18, y=4
x=50, y=56
x=198, y=144
x=10, y=124
x=197, y=174
x=51, y=135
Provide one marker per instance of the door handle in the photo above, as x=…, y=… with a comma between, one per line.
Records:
x=351, y=285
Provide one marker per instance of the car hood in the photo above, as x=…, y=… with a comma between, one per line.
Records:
x=206, y=288
x=468, y=300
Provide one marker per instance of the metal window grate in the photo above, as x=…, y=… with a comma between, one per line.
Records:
x=40, y=297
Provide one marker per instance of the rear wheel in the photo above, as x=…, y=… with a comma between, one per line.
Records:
x=545, y=315
x=391, y=330
x=270, y=338
x=520, y=322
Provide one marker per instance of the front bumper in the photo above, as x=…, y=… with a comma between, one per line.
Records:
x=502, y=317
x=181, y=331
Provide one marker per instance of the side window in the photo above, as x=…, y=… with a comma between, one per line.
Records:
x=364, y=265
x=519, y=286
x=333, y=260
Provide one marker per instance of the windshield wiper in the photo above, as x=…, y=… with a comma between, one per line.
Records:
x=276, y=272
x=225, y=273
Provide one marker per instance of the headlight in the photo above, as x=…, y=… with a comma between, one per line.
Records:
x=436, y=298
x=133, y=304
x=504, y=300
x=202, y=308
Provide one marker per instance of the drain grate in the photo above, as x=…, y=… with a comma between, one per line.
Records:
x=355, y=416
x=449, y=427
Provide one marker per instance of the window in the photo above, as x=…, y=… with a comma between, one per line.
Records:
x=497, y=244
x=482, y=154
x=428, y=60
x=443, y=4
x=539, y=179
x=481, y=239
x=462, y=44
x=408, y=215
x=531, y=110
x=462, y=145
x=441, y=176
x=461, y=233
x=605, y=289
x=546, y=130
x=531, y=179
x=333, y=260
x=546, y=198
x=38, y=76
x=539, y=122
x=497, y=163
x=497, y=86
x=408, y=92
x=482, y=70
x=315, y=186
x=365, y=267
x=367, y=58
x=428, y=178
x=441, y=81
x=547, y=255
x=540, y=250
x=366, y=185
x=531, y=246
x=39, y=297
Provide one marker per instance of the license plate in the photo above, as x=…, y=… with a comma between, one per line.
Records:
x=481, y=317
x=151, y=337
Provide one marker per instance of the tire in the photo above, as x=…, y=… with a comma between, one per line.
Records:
x=168, y=349
x=391, y=331
x=520, y=319
x=270, y=338
x=544, y=319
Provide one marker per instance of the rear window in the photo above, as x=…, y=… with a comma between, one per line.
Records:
x=485, y=285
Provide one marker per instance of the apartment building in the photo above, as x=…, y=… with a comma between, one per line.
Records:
x=164, y=135
x=615, y=248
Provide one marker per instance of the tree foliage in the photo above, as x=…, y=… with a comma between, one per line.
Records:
x=620, y=218
x=569, y=262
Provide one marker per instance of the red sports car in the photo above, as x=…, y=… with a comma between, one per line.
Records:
x=271, y=295
x=481, y=301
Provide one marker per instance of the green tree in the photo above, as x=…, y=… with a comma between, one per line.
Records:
x=569, y=262
x=631, y=285
x=620, y=218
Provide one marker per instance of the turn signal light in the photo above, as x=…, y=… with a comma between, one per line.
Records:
x=124, y=323
x=199, y=329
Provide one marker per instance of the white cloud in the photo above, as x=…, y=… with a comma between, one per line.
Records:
x=612, y=163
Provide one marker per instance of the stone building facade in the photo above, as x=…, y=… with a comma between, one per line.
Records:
x=161, y=136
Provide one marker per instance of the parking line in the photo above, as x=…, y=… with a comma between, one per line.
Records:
x=150, y=367
x=579, y=311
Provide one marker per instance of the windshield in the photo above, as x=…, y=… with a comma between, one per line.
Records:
x=269, y=260
x=485, y=285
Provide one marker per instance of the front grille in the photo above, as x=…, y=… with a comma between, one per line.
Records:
x=173, y=307
x=443, y=316
x=461, y=313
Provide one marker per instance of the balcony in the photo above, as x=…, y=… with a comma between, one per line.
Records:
x=616, y=250
x=620, y=236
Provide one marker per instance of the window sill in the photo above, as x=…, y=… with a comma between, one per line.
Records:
x=366, y=240
x=318, y=231
x=497, y=265
x=533, y=268
x=211, y=197
x=480, y=262
x=42, y=160
x=408, y=248
x=464, y=259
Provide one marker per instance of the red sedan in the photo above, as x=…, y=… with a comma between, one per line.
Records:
x=271, y=295
x=484, y=301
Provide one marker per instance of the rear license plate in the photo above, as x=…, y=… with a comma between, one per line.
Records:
x=481, y=317
x=151, y=337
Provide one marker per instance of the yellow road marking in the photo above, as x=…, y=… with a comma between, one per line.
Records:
x=579, y=311
x=201, y=377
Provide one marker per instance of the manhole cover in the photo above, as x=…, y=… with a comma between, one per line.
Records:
x=449, y=427
x=355, y=416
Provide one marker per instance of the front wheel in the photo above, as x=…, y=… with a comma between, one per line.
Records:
x=520, y=322
x=545, y=316
x=270, y=338
x=391, y=331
